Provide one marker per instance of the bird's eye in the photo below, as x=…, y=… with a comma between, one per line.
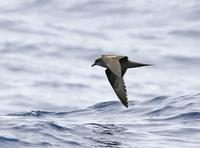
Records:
x=96, y=61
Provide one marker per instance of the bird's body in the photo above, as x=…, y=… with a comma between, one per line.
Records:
x=116, y=67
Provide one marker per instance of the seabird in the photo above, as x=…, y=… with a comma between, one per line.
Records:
x=116, y=67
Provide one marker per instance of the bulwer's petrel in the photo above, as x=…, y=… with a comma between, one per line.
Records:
x=116, y=67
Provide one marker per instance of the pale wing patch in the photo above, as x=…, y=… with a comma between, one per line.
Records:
x=113, y=64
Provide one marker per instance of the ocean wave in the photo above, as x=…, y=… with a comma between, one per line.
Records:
x=191, y=116
x=105, y=124
x=7, y=142
x=32, y=114
x=160, y=106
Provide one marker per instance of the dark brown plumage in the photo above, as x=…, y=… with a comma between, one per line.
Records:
x=116, y=67
x=119, y=87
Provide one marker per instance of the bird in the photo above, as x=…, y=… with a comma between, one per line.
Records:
x=116, y=66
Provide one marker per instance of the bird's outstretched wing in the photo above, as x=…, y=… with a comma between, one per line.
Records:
x=118, y=85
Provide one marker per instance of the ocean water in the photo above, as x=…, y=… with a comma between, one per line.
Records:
x=50, y=97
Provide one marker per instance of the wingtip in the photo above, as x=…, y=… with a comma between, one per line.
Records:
x=126, y=105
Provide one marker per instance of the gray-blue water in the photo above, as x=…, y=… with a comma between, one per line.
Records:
x=50, y=97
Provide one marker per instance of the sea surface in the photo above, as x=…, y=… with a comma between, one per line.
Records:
x=50, y=97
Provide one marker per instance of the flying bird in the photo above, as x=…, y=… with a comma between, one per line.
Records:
x=116, y=67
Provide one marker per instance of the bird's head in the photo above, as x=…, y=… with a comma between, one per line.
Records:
x=97, y=62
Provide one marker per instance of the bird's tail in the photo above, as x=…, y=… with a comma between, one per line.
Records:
x=132, y=64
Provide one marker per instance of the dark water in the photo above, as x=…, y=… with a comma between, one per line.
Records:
x=51, y=97
x=173, y=123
